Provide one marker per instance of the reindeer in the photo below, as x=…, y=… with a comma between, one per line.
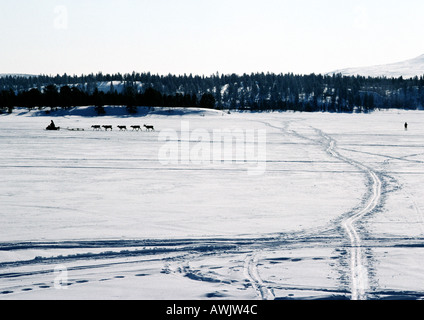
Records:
x=122, y=128
x=149, y=128
x=107, y=128
x=138, y=128
x=96, y=127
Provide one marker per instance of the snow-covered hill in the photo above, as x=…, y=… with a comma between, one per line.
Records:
x=406, y=69
x=16, y=75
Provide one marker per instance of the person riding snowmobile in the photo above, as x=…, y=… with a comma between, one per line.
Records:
x=52, y=126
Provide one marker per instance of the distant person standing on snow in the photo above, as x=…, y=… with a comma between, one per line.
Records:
x=406, y=125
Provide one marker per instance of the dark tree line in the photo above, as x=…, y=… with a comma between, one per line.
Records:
x=258, y=92
x=67, y=97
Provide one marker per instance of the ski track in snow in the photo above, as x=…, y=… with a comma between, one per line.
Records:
x=252, y=274
x=359, y=273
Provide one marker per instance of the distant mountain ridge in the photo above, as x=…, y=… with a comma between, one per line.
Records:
x=406, y=69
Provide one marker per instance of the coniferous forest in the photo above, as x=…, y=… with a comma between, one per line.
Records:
x=254, y=92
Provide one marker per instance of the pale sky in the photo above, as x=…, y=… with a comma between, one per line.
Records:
x=204, y=37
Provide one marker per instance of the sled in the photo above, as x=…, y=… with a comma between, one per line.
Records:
x=75, y=129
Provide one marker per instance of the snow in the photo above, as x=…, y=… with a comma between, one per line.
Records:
x=106, y=86
x=406, y=69
x=337, y=212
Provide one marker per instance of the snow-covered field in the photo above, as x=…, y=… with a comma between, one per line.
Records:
x=335, y=211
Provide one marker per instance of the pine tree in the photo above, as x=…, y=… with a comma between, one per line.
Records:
x=207, y=101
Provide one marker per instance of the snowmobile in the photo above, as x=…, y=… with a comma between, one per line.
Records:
x=52, y=127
